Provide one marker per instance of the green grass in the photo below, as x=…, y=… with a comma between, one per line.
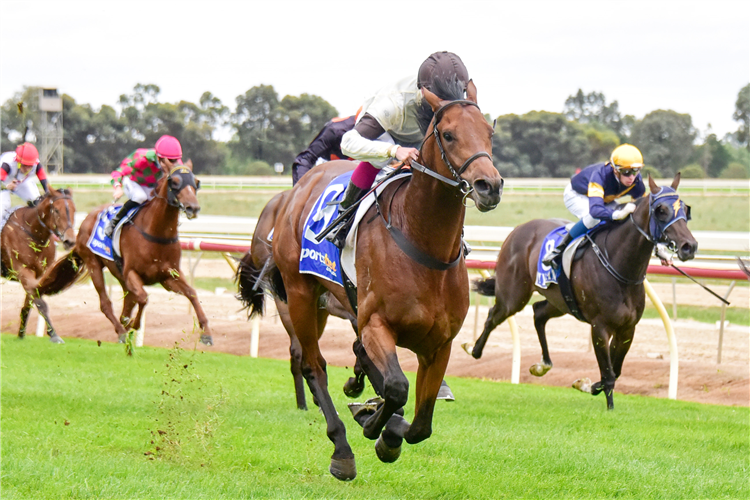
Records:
x=78, y=421
x=735, y=315
x=212, y=284
x=709, y=212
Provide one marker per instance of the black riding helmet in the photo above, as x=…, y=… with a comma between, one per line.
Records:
x=442, y=68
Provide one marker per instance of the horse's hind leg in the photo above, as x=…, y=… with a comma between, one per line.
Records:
x=179, y=285
x=96, y=271
x=41, y=306
x=128, y=303
x=497, y=315
x=543, y=312
x=295, y=354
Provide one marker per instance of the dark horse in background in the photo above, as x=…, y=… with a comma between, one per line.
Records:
x=611, y=300
x=247, y=278
x=150, y=250
x=400, y=302
x=27, y=249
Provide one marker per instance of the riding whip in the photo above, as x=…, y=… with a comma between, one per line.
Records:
x=703, y=286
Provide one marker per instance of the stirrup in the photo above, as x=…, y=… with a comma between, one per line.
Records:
x=338, y=235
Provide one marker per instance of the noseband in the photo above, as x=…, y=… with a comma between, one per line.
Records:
x=459, y=181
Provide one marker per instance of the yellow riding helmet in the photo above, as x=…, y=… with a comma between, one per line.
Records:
x=626, y=156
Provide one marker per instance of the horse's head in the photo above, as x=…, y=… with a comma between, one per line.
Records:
x=669, y=216
x=182, y=189
x=462, y=137
x=58, y=210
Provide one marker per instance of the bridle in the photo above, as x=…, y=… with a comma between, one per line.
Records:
x=656, y=228
x=462, y=184
x=187, y=178
x=55, y=231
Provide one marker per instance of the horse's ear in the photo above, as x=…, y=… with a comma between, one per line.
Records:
x=652, y=184
x=676, y=181
x=471, y=92
x=189, y=163
x=432, y=99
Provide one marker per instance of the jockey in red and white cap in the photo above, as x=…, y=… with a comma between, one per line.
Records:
x=19, y=171
x=137, y=175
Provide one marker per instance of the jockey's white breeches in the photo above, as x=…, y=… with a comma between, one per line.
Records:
x=135, y=192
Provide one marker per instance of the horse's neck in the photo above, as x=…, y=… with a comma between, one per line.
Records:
x=628, y=250
x=159, y=218
x=431, y=216
x=33, y=221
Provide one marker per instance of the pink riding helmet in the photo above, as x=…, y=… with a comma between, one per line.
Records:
x=168, y=147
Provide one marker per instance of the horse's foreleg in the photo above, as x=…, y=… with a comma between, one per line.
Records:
x=25, y=310
x=179, y=285
x=295, y=354
x=429, y=377
x=302, y=310
x=29, y=281
x=543, y=312
x=379, y=343
x=601, y=339
x=619, y=348
x=496, y=316
x=96, y=271
x=128, y=303
x=134, y=285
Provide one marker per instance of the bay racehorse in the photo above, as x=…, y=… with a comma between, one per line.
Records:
x=400, y=302
x=608, y=289
x=249, y=282
x=150, y=249
x=27, y=248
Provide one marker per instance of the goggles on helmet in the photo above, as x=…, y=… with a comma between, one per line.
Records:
x=628, y=171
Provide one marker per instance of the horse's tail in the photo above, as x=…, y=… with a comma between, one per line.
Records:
x=485, y=286
x=250, y=290
x=253, y=282
x=62, y=274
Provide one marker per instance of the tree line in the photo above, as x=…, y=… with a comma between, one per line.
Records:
x=264, y=129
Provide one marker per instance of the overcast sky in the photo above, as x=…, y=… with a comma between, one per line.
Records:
x=689, y=56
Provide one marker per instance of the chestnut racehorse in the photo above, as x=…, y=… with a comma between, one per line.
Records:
x=27, y=249
x=150, y=250
x=610, y=296
x=400, y=302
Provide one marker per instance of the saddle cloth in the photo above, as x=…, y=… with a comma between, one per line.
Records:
x=323, y=258
x=546, y=275
x=98, y=242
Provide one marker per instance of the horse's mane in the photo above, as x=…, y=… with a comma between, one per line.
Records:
x=447, y=91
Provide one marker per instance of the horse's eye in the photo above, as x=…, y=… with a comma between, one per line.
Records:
x=447, y=136
x=662, y=212
x=175, y=182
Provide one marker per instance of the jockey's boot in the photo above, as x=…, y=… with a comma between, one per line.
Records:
x=352, y=195
x=549, y=259
x=112, y=224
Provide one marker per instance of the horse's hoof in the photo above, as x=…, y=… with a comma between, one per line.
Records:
x=56, y=340
x=343, y=469
x=353, y=389
x=385, y=453
x=468, y=348
x=539, y=369
x=207, y=340
x=445, y=393
x=122, y=338
x=583, y=385
x=369, y=407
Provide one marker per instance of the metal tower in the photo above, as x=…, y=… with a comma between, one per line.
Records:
x=50, y=133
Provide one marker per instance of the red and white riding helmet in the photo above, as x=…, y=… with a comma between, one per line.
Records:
x=26, y=154
x=168, y=147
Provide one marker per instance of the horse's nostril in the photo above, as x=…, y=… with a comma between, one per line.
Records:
x=482, y=186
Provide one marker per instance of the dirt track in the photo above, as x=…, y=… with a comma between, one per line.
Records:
x=75, y=313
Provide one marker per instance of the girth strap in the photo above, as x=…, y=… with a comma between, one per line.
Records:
x=155, y=239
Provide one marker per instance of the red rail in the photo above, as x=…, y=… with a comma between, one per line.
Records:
x=696, y=272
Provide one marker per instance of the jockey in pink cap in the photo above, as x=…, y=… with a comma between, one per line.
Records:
x=137, y=175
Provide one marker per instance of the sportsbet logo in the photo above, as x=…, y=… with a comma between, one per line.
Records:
x=309, y=253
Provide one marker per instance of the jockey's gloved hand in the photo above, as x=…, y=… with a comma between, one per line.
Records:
x=623, y=212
